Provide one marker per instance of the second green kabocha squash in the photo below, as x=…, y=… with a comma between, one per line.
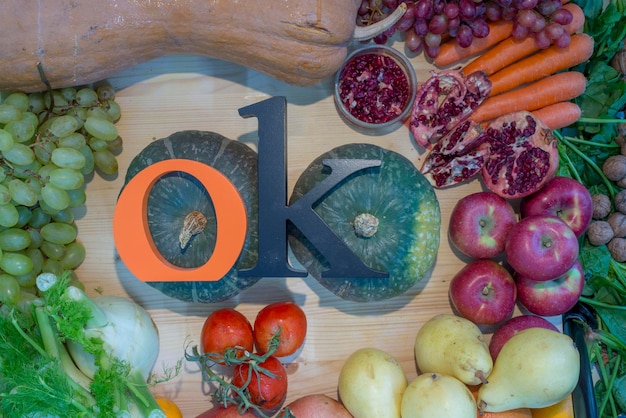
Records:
x=177, y=194
x=395, y=204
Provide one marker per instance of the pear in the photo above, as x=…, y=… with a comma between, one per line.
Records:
x=454, y=346
x=433, y=395
x=536, y=368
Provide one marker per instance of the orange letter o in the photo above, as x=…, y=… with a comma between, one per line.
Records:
x=133, y=239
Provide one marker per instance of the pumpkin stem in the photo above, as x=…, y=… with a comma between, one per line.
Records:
x=365, y=225
x=364, y=33
x=193, y=224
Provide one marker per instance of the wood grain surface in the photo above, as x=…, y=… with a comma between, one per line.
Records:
x=182, y=92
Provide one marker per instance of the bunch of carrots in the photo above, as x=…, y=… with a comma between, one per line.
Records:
x=523, y=76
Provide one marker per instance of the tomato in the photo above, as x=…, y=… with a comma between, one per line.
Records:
x=226, y=328
x=287, y=317
x=170, y=409
x=265, y=391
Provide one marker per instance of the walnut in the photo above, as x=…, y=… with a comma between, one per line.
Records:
x=622, y=183
x=599, y=232
x=617, y=248
x=620, y=201
x=617, y=220
x=614, y=167
x=601, y=205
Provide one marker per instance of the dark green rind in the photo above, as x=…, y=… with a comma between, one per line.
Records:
x=174, y=196
x=408, y=235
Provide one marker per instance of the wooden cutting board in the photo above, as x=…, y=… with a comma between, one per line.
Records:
x=179, y=93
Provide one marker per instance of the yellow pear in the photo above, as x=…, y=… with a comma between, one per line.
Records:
x=454, y=346
x=536, y=368
x=433, y=395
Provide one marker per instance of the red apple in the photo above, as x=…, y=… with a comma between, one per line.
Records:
x=512, y=327
x=563, y=197
x=479, y=224
x=541, y=247
x=552, y=297
x=484, y=292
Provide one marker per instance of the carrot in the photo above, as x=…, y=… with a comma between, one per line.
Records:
x=558, y=115
x=541, y=64
x=451, y=53
x=511, y=50
x=549, y=90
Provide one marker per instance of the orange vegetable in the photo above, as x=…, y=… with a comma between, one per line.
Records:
x=451, y=53
x=511, y=50
x=563, y=409
x=558, y=115
x=549, y=90
x=541, y=64
x=170, y=409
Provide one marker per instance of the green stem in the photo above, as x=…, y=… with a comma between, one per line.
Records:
x=600, y=120
x=98, y=318
x=594, y=302
x=590, y=143
x=142, y=396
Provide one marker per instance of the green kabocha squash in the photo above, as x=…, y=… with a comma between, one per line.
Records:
x=389, y=216
x=178, y=194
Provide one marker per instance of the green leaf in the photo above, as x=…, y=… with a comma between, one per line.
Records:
x=615, y=320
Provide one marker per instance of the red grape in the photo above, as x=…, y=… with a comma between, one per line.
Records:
x=438, y=24
x=562, y=16
x=464, y=36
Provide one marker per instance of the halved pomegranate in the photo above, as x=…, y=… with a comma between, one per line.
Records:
x=445, y=100
x=515, y=153
x=522, y=155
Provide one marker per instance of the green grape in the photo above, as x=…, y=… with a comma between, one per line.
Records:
x=36, y=257
x=26, y=171
x=45, y=170
x=6, y=140
x=35, y=238
x=69, y=93
x=86, y=97
x=55, y=198
x=19, y=154
x=97, y=144
x=35, y=184
x=105, y=92
x=28, y=280
x=115, y=146
x=59, y=232
x=22, y=193
x=24, y=216
x=32, y=118
x=65, y=216
x=80, y=113
x=52, y=266
x=5, y=195
x=8, y=215
x=64, y=126
x=18, y=100
x=15, y=264
x=60, y=102
x=22, y=130
x=66, y=178
x=52, y=250
x=113, y=110
x=106, y=162
x=14, y=239
x=78, y=197
x=74, y=140
x=101, y=128
x=39, y=218
x=36, y=102
x=74, y=255
x=9, y=290
x=3, y=174
x=68, y=158
x=90, y=162
x=43, y=151
x=9, y=113
x=47, y=208
x=97, y=112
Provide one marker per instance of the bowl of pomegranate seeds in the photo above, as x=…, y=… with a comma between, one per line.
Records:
x=375, y=87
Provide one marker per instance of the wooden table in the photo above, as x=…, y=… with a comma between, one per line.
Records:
x=179, y=93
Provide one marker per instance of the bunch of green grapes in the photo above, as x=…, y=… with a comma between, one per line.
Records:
x=49, y=142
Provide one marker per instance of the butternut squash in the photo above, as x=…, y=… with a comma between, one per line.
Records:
x=77, y=42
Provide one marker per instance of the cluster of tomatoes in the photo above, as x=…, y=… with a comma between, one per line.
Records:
x=259, y=378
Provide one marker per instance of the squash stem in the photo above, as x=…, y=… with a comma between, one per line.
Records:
x=365, y=225
x=194, y=223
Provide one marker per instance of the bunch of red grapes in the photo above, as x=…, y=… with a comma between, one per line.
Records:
x=427, y=22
